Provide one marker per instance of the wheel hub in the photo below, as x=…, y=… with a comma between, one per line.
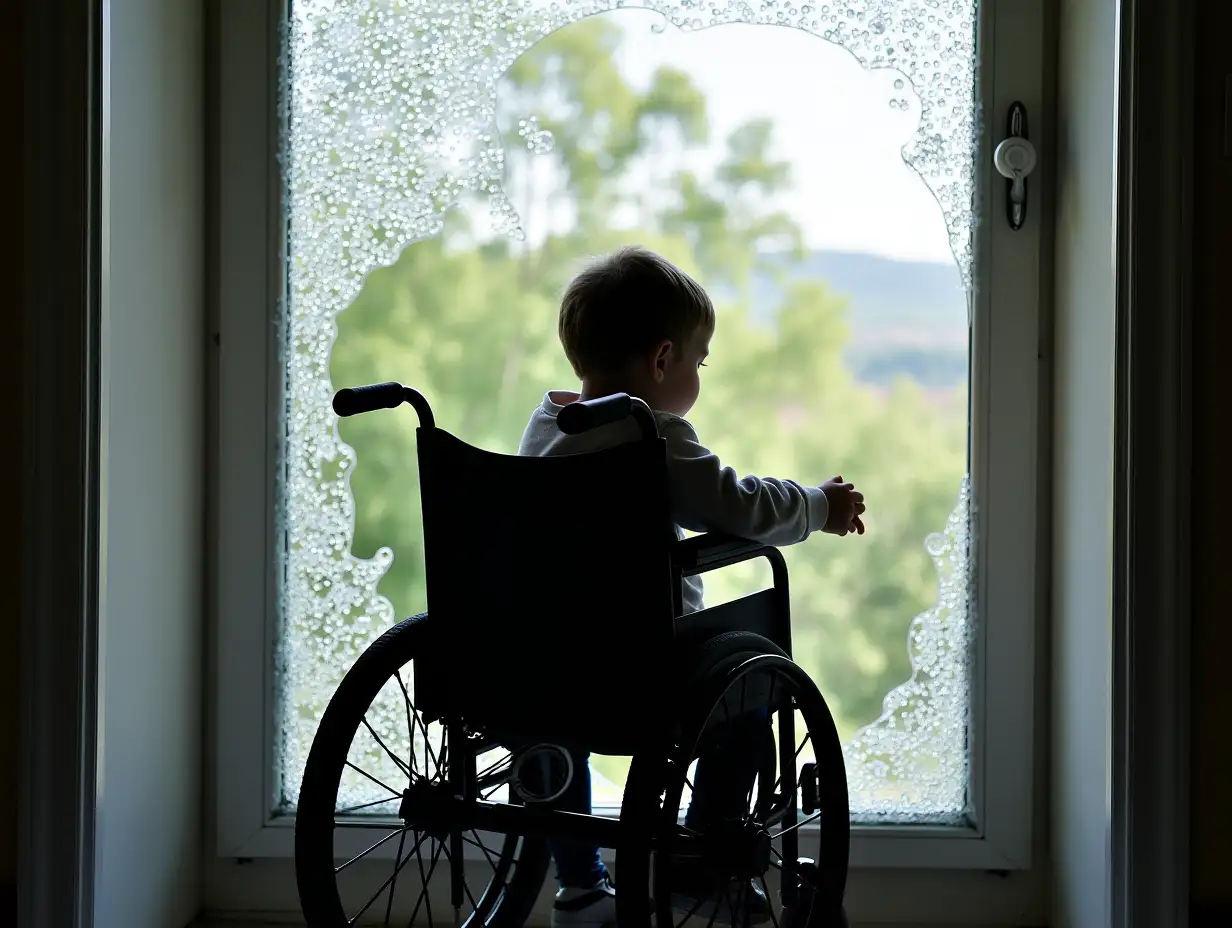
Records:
x=742, y=852
x=759, y=852
x=427, y=807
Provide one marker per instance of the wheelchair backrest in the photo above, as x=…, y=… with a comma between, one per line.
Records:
x=549, y=584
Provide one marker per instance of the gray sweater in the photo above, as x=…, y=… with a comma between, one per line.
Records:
x=706, y=496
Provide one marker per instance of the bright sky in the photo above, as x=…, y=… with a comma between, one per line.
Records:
x=833, y=123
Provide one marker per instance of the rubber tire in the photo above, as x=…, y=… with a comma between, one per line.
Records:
x=702, y=658
x=314, y=821
x=698, y=660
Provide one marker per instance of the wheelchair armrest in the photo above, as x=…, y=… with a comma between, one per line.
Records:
x=713, y=550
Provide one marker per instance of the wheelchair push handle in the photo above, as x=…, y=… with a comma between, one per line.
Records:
x=351, y=401
x=584, y=415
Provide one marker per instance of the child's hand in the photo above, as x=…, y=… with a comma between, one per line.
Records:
x=846, y=505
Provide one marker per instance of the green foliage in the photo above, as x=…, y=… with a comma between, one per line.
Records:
x=472, y=324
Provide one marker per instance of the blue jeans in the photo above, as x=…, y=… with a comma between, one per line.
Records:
x=726, y=771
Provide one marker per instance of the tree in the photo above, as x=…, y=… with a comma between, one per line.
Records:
x=471, y=321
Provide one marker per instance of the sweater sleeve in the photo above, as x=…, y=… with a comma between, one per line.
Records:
x=708, y=497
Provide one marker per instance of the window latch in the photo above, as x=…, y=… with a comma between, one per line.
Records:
x=1014, y=159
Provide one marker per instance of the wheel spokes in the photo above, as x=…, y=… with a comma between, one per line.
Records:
x=365, y=805
x=762, y=803
x=364, y=853
x=425, y=882
x=362, y=772
x=402, y=765
x=375, y=896
x=393, y=887
x=766, y=889
x=428, y=766
x=795, y=827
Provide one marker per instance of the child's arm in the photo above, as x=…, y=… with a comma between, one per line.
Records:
x=708, y=497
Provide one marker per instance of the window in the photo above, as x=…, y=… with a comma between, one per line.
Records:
x=443, y=167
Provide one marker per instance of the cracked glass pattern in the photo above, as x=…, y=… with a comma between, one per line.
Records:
x=910, y=765
x=390, y=121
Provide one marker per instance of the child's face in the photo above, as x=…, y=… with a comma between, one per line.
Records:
x=676, y=372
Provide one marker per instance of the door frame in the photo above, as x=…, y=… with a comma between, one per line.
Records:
x=1148, y=731
x=64, y=165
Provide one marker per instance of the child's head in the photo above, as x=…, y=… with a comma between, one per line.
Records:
x=633, y=322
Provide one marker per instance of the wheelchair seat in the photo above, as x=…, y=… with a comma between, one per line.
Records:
x=553, y=575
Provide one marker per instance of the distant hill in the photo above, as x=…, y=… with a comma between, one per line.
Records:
x=904, y=317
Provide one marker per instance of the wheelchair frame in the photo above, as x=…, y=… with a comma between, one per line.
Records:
x=445, y=810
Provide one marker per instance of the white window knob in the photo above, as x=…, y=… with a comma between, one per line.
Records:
x=1014, y=158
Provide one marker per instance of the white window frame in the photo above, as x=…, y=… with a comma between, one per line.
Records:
x=1007, y=464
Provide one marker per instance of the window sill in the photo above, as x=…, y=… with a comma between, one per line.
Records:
x=873, y=847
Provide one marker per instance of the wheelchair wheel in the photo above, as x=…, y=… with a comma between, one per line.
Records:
x=785, y=840
x=357, y=860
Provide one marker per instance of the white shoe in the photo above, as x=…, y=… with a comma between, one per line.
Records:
x=585, y=908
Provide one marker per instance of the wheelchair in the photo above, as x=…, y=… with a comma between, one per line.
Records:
x=554, y=630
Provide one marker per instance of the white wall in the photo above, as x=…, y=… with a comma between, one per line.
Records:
x=147, y=863
x=1082, y=479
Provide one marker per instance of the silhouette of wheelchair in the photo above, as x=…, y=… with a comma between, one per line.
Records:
x=554, y=629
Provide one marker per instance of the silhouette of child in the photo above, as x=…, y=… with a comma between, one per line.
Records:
x=632, y=322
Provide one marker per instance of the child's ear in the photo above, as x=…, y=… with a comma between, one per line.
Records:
x=659, y=360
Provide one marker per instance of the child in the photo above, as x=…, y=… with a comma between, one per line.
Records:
x=634, y=323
